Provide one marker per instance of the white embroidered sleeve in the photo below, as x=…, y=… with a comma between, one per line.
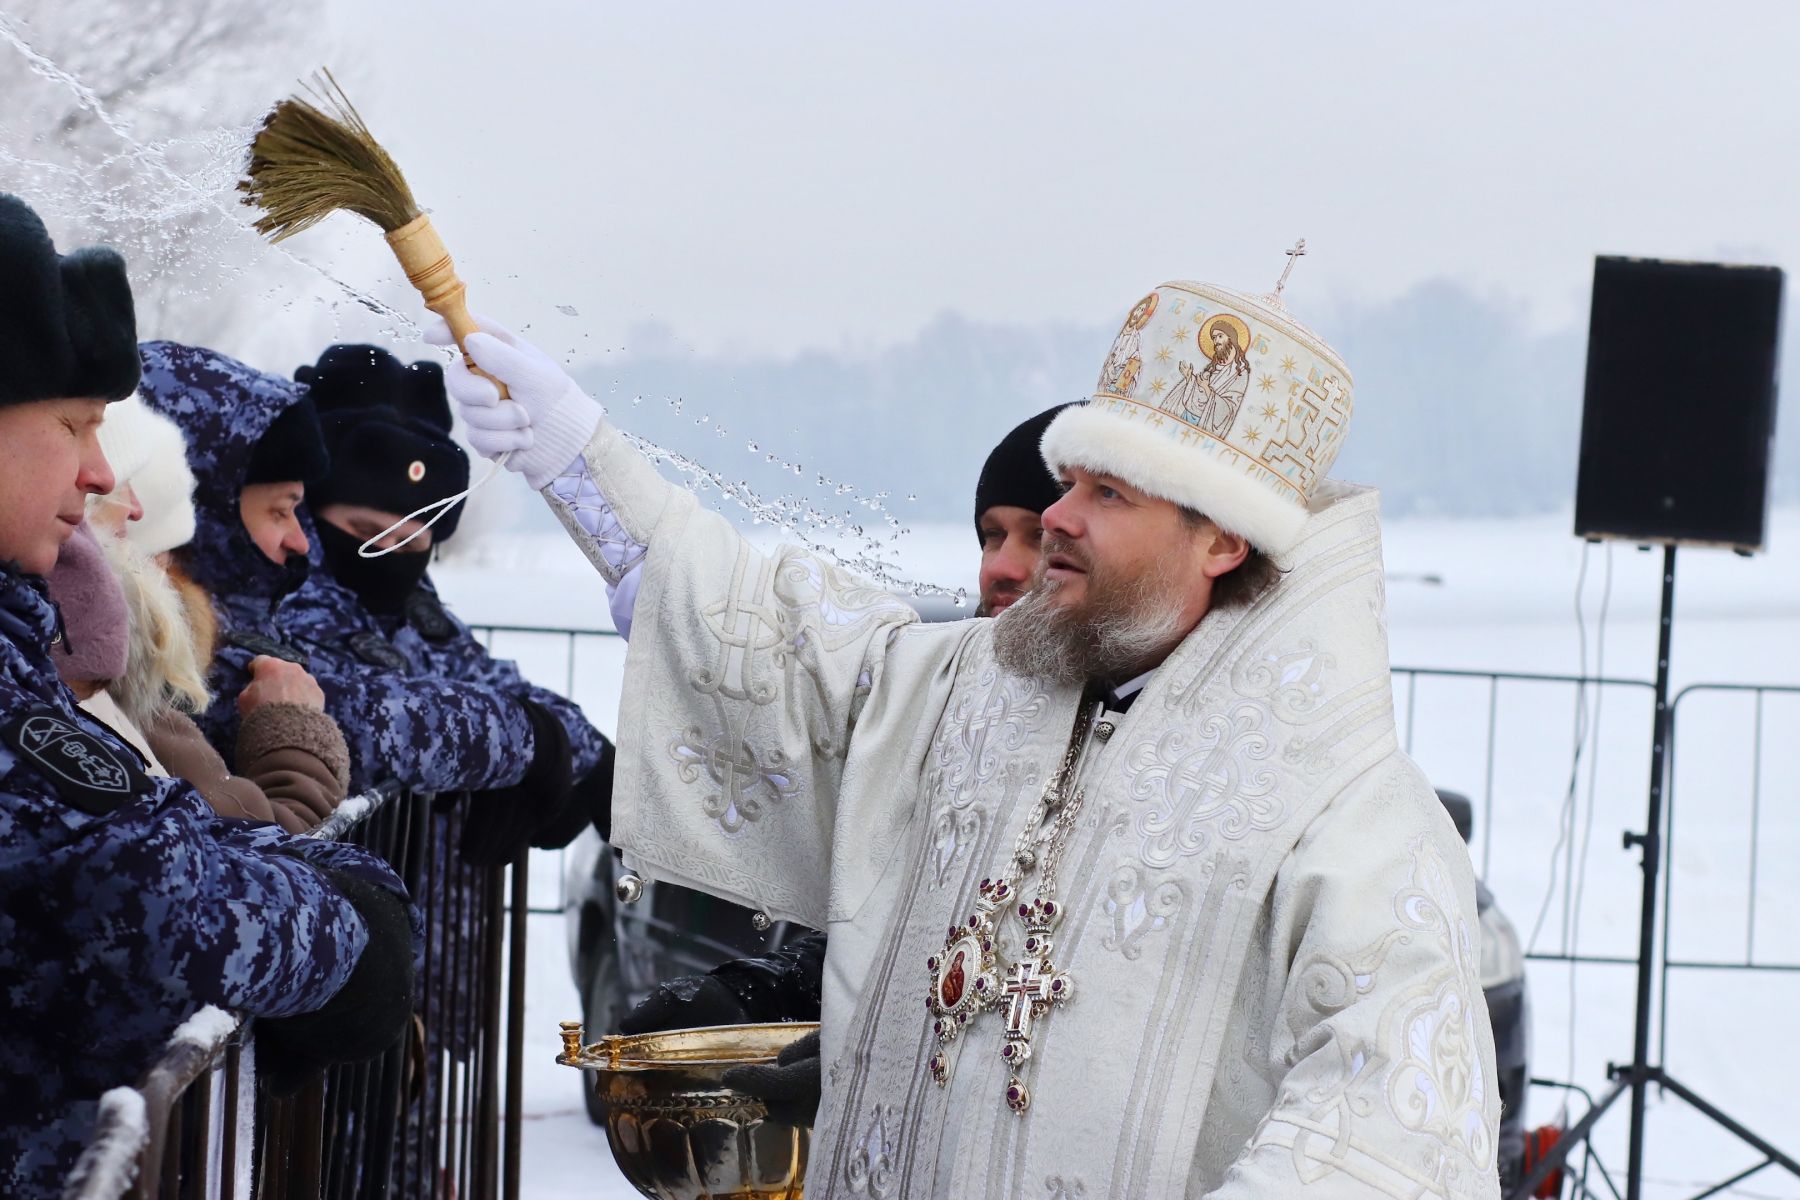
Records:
x=1376, y=1037
x=745, y=679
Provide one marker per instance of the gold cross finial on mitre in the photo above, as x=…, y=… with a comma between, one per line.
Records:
x=1293, y=256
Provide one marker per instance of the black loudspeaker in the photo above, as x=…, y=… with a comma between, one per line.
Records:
x=1680, y=412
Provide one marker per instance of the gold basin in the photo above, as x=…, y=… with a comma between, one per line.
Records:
x=677, y=1131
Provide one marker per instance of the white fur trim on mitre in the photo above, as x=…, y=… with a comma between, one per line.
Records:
x=1106, y=443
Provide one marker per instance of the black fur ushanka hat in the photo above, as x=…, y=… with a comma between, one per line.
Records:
x=387, y=425
x=68, y=328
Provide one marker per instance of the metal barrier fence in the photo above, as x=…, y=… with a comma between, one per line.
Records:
x=1506, y=738
x=435, y=1116
x=1509, y=739
x=1548, y=759
x=1724, y=894
x=585, y=665
x=1732, y=786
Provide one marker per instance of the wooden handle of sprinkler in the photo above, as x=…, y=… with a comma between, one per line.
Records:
x=429, y=268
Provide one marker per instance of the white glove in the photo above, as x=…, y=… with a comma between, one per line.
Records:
x=544, y=425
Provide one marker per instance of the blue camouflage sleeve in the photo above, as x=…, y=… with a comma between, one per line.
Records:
x=162, y=893
x=471, y=661
x=426, y=733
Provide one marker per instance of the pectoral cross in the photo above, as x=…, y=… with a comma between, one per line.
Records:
x=1028, y=993
x=1293, y=256
x=1032, y=986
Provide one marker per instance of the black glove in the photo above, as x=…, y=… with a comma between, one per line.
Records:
x=685, y=1003
x=366, y=1016
x=790, y=1087
x=589, y=803
x=500, y=822
x=783, y=986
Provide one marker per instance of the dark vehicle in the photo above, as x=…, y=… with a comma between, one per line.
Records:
x=619, y=951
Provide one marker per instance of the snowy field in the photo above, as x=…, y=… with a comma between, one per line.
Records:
x=1472, y=595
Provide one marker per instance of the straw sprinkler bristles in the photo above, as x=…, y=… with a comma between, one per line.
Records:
x=309, y=160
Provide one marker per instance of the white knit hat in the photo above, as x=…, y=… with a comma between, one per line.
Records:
x=149, y=451
x=1222, y=403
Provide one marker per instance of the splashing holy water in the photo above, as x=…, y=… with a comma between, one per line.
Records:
x=156, y=193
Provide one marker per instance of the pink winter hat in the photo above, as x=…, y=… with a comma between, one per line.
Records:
x=96, y=629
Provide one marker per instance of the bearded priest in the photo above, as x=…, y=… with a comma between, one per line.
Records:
x=1130, y=891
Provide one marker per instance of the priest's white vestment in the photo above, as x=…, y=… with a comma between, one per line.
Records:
x=1269, y=915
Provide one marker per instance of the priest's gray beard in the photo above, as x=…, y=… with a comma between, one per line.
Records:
x=1119, y=628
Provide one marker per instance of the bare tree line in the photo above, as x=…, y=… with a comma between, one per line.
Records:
x=183, y=78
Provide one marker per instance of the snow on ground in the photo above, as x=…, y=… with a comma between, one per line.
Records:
x=1472, y=595
x=565, y=1156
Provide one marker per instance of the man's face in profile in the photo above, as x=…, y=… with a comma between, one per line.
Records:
x=1009, y=554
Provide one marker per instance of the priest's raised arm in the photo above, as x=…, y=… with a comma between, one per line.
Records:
x=747, y=671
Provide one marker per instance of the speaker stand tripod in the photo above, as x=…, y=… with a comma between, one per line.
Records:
x=1635, y=1078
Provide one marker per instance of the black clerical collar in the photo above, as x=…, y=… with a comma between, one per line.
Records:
x=1121, y=698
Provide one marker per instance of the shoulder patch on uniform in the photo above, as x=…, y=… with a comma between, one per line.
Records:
x=260, y=644
x=82, y=768
x=377, y=651
x=425, y=613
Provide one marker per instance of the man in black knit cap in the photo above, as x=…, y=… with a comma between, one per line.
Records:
x=1010, y=498
x=1014, y=489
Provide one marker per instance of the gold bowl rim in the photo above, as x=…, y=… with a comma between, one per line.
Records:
x=703, y=1046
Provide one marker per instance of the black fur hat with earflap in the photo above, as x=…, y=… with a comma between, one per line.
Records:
x=68, y=328
x=387, y=425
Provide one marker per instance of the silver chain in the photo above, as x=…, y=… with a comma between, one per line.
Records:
x=1059, y=840
x=1052, y=841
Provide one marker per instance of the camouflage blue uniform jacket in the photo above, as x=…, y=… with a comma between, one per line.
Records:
x=420, y=700
x=126, y=905
x=224, y=407
x=429, y=731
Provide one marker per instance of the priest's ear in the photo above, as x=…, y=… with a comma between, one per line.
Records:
x=1220, y=553
x=1225, y=552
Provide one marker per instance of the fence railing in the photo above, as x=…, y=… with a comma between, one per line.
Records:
x=1525, y=746
x=1721, y=849
x=1506, y=738
x=1571, y=755
x=425, y=1119
x=585, y=665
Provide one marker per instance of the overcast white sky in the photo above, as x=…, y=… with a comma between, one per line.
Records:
x=784, y=175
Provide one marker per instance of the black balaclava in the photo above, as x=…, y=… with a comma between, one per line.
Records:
x=382, y=584
x=294, y=571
